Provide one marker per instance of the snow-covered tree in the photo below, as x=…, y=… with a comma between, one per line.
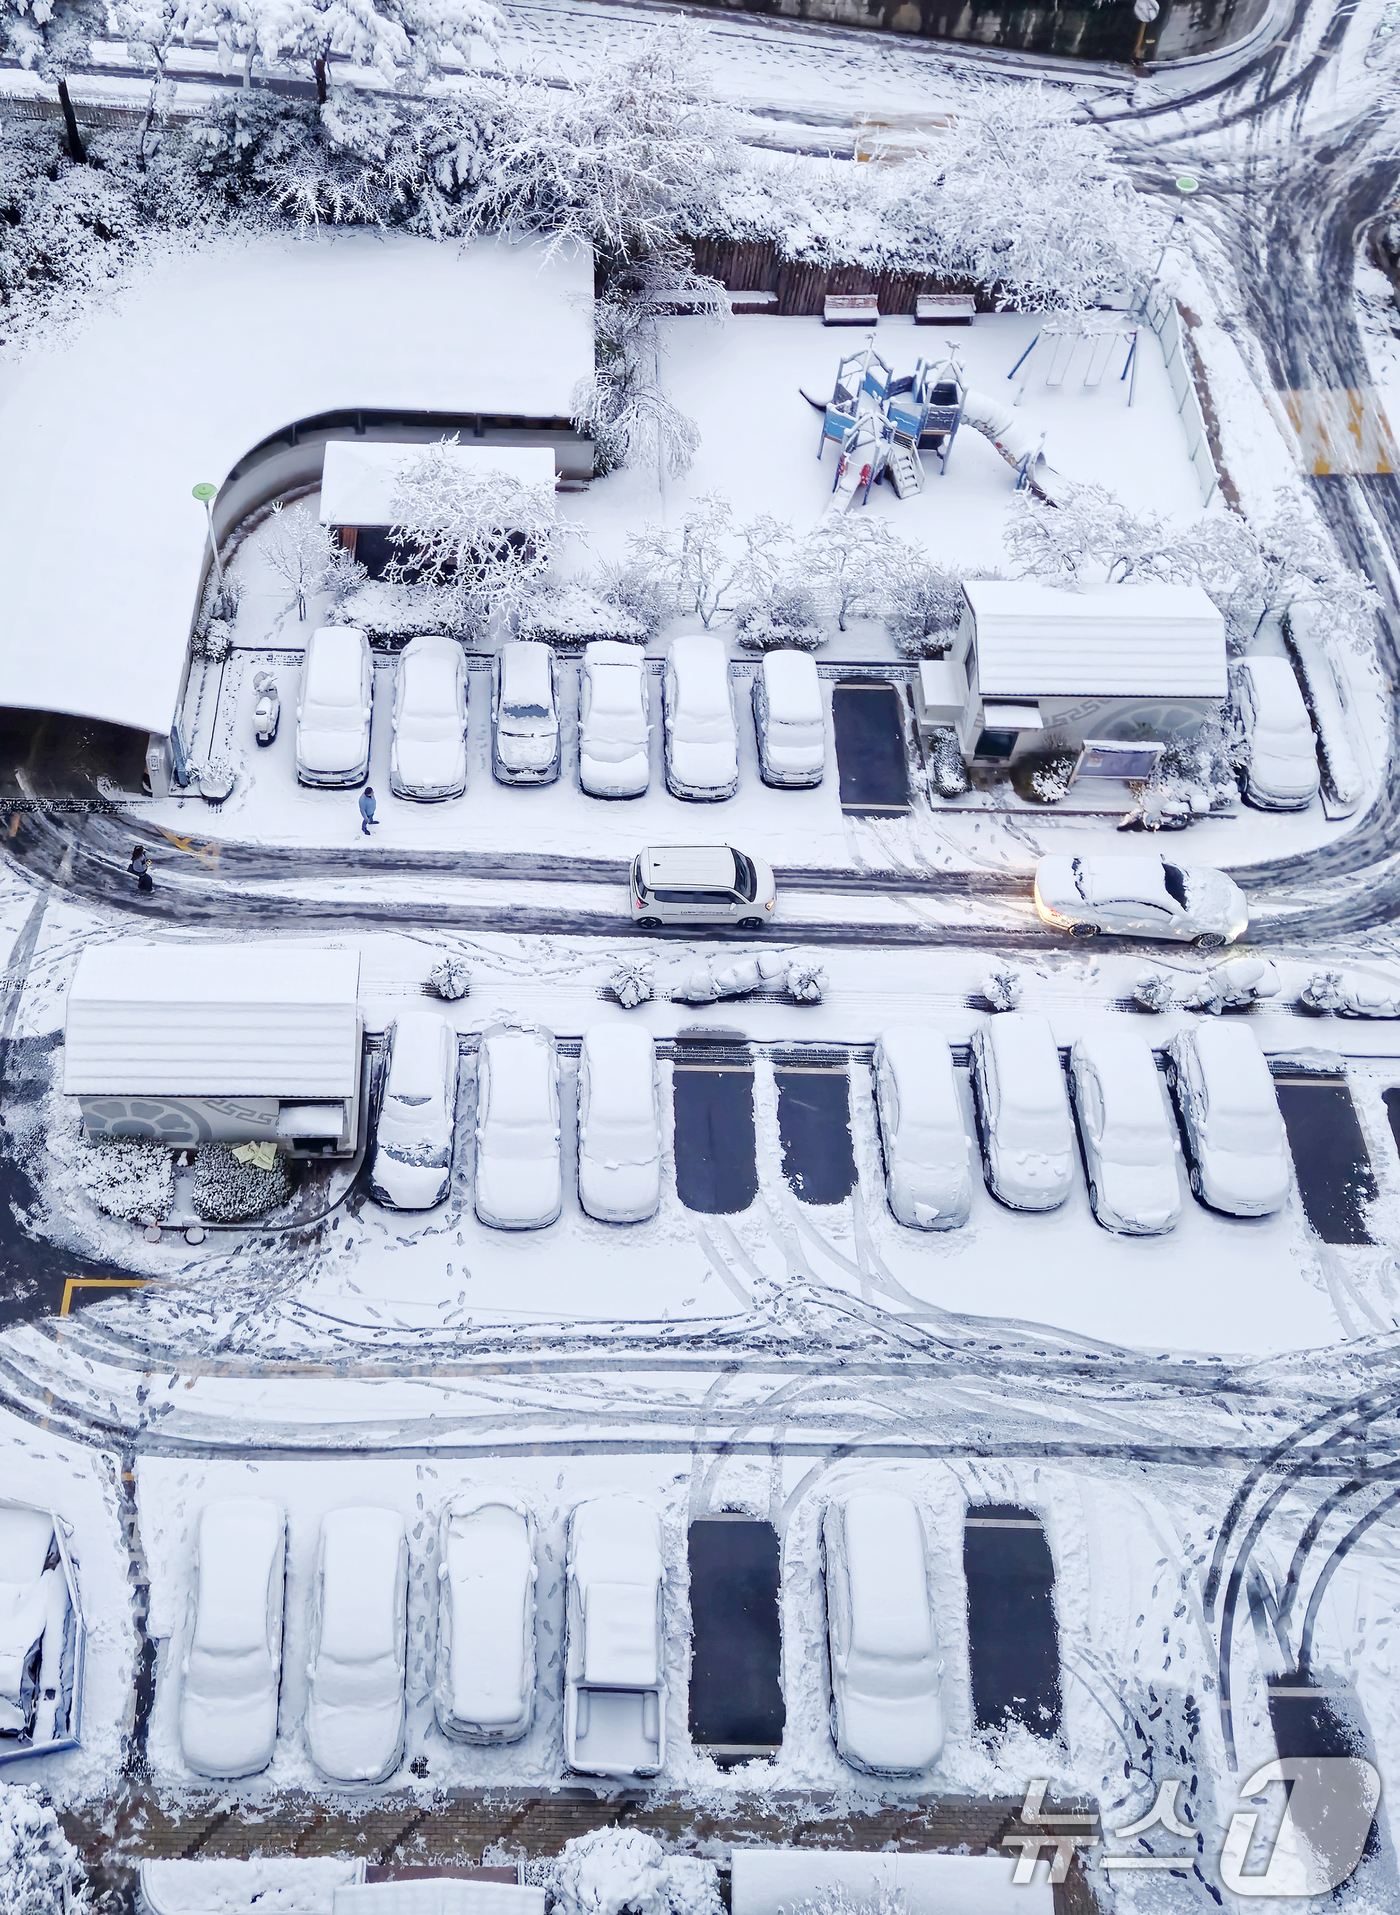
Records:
x=41, y=1872
x=398, y=38
x=852, y=563
x=484, y=539
x=50, y=38
x=712, y=563
x=1092, y=538
x=152, y=29
x=923, y=606
x=307, y=556
x=1028, y=197
x=623, y=405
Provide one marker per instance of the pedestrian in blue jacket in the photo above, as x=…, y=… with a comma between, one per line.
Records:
x=367, y=817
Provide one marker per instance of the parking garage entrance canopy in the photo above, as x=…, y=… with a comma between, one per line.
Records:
x=213, y=353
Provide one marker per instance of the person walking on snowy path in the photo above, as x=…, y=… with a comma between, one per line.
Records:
x=367, y=817
x=140, y=869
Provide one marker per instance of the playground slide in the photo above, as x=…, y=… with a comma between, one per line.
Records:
x=1014, y=437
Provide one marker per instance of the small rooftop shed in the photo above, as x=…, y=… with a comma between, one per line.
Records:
x=196, y=1043
x=360, y=477
x=1036, y=667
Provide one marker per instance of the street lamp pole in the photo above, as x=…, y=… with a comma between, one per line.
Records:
x=206, y=493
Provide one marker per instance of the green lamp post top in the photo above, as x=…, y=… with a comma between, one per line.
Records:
x=204, y=492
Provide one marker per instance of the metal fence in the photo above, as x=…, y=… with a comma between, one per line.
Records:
x=1164, y=317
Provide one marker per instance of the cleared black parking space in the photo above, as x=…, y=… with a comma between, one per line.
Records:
x=868, y=716
x=1012, y=1645
x=736, y=1696
x=814, y=1124
x=1330, y=1159
x=716, y=1161
x=1326, y=1725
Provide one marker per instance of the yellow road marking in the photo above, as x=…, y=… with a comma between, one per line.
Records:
x=1340, y=431
x=206, y=851
x=97, y=1283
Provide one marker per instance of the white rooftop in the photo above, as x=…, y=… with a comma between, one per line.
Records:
x=1104, y=641
x=359, y=475
x=210, y=1020
x=210, y=352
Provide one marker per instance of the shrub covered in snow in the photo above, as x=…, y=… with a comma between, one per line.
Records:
x=922, y=605
x=307, y=556
x=577, y=614
x=226, y=1191
x=128, y=1177
x=608, y=1870
x=697, y=986
x=947, y=764
x=1044, y=778
x=1323, y=991
x=879, y=1899
x=389, y=615
x=215, y=642
x=784, y=616
x=633, y=982
x=41, y=1872
x=450, y=978
x=1154, y=990
x=806, y=980
x=1002, y=988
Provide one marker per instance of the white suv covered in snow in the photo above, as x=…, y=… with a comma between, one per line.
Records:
x=702, y=740
x=614, y=1672
x=1236, y=1145
x=484, y=1679
x=1022, y=1111
x=886, y=1711
x=233, y=1662
x=789, y=718
x=334, y=707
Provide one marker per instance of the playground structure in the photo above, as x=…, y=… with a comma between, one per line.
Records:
x=883, y=425
x=1101, y=332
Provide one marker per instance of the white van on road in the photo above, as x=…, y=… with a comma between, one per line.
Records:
x=700, y=884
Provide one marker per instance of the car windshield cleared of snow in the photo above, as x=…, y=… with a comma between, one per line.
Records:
x=745, y=877
x=1174, y=878
x=525, y=713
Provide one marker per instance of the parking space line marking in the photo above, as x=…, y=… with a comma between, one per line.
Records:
x=96, y=1283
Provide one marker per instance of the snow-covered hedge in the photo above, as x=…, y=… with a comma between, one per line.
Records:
x=576, y=614
x=37, y=1861
x=608, y=1870
x=128, y=1177
x=226, y=1191
x=389, y=615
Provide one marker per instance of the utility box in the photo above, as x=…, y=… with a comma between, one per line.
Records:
x=940, y=693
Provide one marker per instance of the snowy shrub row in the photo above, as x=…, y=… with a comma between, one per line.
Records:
x=129, y=1178
x=227, y=1191
x=40, y=1870
x=803, y=978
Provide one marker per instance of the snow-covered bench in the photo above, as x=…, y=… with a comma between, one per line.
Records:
x=850, y=309
x=938, y=309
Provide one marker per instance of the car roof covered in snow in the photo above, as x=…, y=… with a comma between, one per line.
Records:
x=415, y=1063
x=1235, y=1069
x=888, y=1576
x=240, y=1538
x=212, y=1020
x=335, y=659
x=1124, y=1065
x=612, y=651
x=1106, y=641
x=360, y=476
x=1277, y=696
x=525, y=672
x=127, y=411
x=1023, y=1046
x=621, y=1067
x=794, y=690
x=615, y=1539
x=431, y=667
x=706, y=866
x=360, y=1565
x=522, y=1062
x=25, y=1536
x=619, y=1635
x=921, y=1062
x=701, y=665
x=1115, y=880
x=487, y=1553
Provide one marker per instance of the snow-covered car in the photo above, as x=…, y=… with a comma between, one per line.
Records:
x=335, y=705
x=267, y=708
x=789, y=719
x=923, y=1136
x=428, y=758
x=614, y=1680
x=519, y=1184
x=886, y=1710
x=233, y=1663
x=702, y=740
x=484, y=1677
x=614, y=750
x=1129, y=1145
x=412, y=1165
x=525, y=714
x=1140, y=898
x=1282, y=772
x=619, y=1124
x=1022, y=1111
x=36, y=1623
x=1353, y=993
x=701, y=884
x=359, y=1645
x=1236, y=1145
